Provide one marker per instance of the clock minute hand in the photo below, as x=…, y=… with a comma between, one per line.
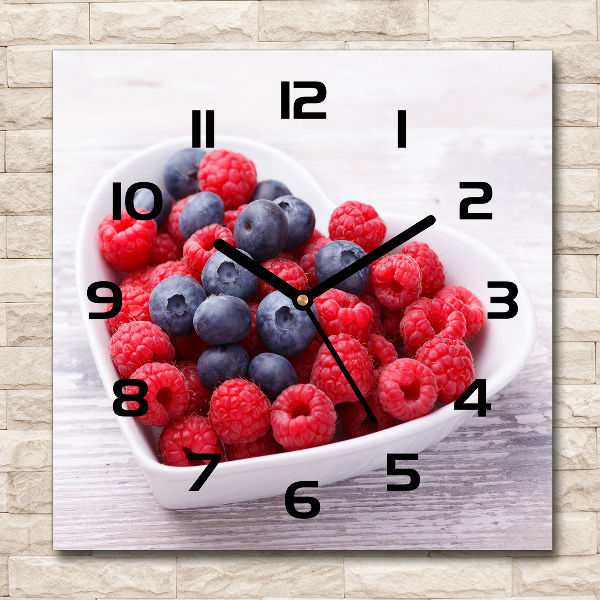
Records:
x=372, y=256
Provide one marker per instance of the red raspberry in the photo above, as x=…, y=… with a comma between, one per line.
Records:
x=165, y=249
x=303, y=417
x=358, y=223
x=451, y=363
x=303, y=362
x=168, y=269
x=328, y=377
x=375, y=325
x=397, y=281
x=468, y=304
x=390, y=322
x=289, y=257
x=341, y=312
x=231, y=217
x=199, y=395
x=239, y=412
x=407, y=389
x=140, y=278
x=381, y=351
x=189, y=347
x=298, y=253
x=252, y=344
x=425, y=318
x=284, y=269
x=173, y=220
x=307, y=262
x=432, y=270
x=201, y=246
x=192, y=434
x=263, y=446
x=126, y=244
x=229, y=175
x=370, y=288
x=134, y=308
x=167, y=395
x=137, y=343
x=357, y=423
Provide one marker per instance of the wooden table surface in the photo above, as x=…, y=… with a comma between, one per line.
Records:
x=487, y=486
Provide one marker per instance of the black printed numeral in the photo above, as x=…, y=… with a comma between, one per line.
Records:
x=291, y=500
x=129, y=207
x=392, y=469
x=214, y=459
x=512, y=292
x=139, y=397
x=299, y=103
x=486, y=196
x=401, y=129
x=197, y=128
x=481, y=406
x=116, y=299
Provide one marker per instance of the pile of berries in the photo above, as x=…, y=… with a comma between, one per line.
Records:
x=232, y=366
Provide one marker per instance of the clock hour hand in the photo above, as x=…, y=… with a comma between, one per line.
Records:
x=372, y=256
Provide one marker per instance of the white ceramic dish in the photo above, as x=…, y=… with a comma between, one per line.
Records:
x=500, y=350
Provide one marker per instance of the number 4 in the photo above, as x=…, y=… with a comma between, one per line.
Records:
x=481, y=406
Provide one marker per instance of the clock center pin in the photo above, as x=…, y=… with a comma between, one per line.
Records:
x=302, y=300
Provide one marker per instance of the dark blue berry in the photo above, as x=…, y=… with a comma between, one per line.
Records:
x=218, y=364
x=269, y=189
x=272, y=374
x=335, y=256
x=201, y=210
x=173, y=303
x=181, y=173
x=261, y=230
x=222, y=320
x=221, y=275
x=283, y=328
x=301, y=220
x=144, y=198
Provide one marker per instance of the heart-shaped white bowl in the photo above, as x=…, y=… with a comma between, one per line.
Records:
x=500, y=350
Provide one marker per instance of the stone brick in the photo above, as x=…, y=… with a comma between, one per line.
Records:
x=295, y=20
x=29, y=237
x=576, y=406
x=3, y=327
x=2, y=145
x=152, y=22
x=64, y=23
x=2, y=236
x=574, y=533
x=3, y=576
x=30, y=492
x=577, y=319
x=575, y=491
x=29, y=324
x=575, y=190
x=3, y=411
x=576, y=105
x=23, y=368
x=574, y=275
x=574, y=362
x=574, y=448
x=22, y=108
x=4, y=492
x=396, y=577
x=25, y=450
x=310, y=45
x=26, y=193
x=23, y=280
x=427, y=45
x=29, y=151
x=577, y=147
x=512, y=20
x=31, y=409
x=87, y=577
x=25, y=534
x=576, y=233
x=3, y=69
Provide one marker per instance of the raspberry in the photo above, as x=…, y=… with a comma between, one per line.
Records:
x=407, y=389
x=165, y=249
x=468, y=304
x=358, y=223
x=425, y=318
x=263, y=446
x=192, y=434
x=286, y=270
x=199, y=395
x=303, y=417
x=200, y=247
x=381, y=351
x=397, y=281
x=231, y=217
x=451, y=363
x=229, y=175
x=289, y=257
x=173, y=220
x=370, y=288
x=239, y=412
x=126, y=244
x=298, y=253
x=341, y=312
x=390, y=322
x=303, y=362
x=134, y=308
x=167, y=394
x=189, y=347
x=168, y=269
x=252, y=344
x=307, y=262
x=357, y=423
x=432, y=271
x=140, y=278
x=375, y=325
x=137, y=343
x=328, y=377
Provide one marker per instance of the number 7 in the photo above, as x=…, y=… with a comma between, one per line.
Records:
x=214, y=459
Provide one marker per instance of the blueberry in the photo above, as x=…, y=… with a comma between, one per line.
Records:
x=283, y=328
x=272, y=374
x=181, y=173
x=221, y=275
x=222, y=320
x=218, y=364
x=269, y=189
x=203, y=209
x=173, y=303
x=261, y=230
x=301, y=220
x=144, y=198
x=335, y=256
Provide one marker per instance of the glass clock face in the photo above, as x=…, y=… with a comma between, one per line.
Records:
x=314, y=286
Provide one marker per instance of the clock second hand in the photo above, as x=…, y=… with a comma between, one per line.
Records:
x=341, y=365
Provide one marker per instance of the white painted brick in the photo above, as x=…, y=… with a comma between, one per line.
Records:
x=575, y=190
x=576, y=105
x=574, y=448
x=29, y=151
x=574, y=275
